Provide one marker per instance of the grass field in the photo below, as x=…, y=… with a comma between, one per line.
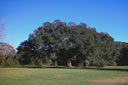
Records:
x=64, y=76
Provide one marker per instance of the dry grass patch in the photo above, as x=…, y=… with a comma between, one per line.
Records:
x=112, y=81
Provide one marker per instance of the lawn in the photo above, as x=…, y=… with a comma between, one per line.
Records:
x=64, y=76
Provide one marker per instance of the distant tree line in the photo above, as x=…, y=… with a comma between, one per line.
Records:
x=69, y=44
x=7, y=54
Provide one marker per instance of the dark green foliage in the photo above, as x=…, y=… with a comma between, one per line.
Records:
x=123, y=48
x=59, y=43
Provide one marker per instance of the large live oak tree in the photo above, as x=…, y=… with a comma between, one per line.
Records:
x=61, y=43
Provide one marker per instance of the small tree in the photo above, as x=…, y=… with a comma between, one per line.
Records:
x=7, y=54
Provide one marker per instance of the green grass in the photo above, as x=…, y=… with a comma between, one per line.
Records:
x=58, y=76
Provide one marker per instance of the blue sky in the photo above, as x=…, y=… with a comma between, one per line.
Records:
x=22, y=17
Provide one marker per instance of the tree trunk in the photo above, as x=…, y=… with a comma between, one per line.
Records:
x=69, y=63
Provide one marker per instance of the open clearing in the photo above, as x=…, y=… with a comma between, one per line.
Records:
x=63, y=76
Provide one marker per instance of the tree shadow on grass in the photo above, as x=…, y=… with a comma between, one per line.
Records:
x=45, y=67
x=106, y=69
x=92, y=68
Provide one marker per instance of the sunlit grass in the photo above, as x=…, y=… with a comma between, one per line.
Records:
x=56, y=76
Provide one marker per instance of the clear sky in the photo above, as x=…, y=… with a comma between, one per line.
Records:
x=22, y=17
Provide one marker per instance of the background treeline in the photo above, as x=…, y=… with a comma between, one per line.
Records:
x=68, y=44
